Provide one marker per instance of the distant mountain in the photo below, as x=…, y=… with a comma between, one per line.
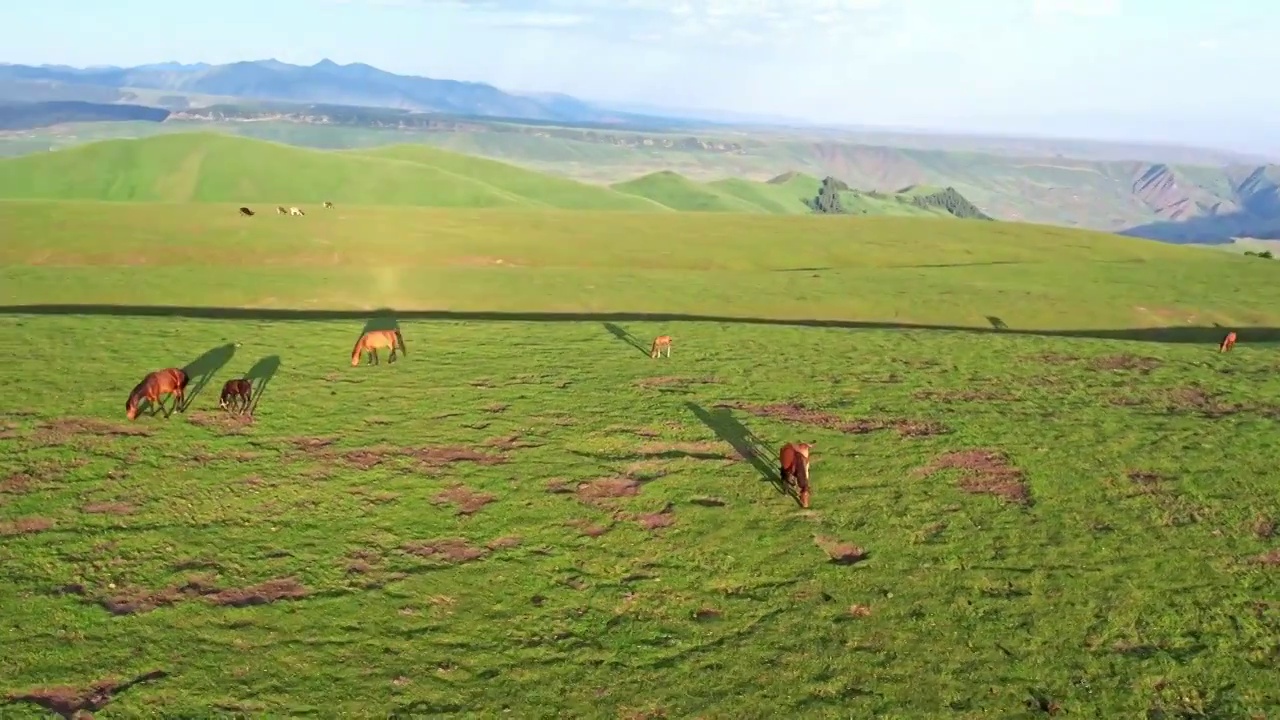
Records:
x=326, y=82
x=26, y=116
x=1203, y=207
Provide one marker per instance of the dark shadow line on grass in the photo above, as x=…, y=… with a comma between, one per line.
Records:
x=202, y=369
x=259, y=376
x=1177, y=334
x=744, y=442
x=626, y=337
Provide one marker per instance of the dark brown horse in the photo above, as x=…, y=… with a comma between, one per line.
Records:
x=170, y=381
x=246, y=212
x=374, y=339
x=1228, y=342
x=236, y=392
x=793, y=466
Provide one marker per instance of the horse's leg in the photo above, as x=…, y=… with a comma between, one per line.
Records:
x=393, y=353
x=373, y=355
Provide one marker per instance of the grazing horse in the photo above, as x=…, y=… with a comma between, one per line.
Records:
x=236, y=392
x=1228, y=342
x=660, y=343
x=375, y=339
x=328, y=205
x=295, y=211
x=246, y=212
x=793, y=467
x=281, y=211
x=170, y=381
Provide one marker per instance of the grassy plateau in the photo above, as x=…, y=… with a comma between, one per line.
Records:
x=1037, y=486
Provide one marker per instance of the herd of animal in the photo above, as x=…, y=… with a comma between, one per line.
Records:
x=237, y=396
x=280, y=210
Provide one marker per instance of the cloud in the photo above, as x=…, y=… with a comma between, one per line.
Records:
x=1075, y=8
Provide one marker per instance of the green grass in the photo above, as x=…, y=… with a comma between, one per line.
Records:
x=1109, y=595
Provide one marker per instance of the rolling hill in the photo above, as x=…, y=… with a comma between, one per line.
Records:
x=214, y=167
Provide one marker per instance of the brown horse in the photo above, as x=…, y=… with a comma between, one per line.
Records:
x=170, y=381
x=246, y=212
x=375, y=339
x=793, y=467
x=236, y=392
x=328, y=205
x=660, y=343
x=1228, y=342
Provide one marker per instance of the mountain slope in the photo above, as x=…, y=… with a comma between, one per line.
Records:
x=680, y=193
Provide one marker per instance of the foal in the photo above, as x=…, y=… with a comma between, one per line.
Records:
x=236, y=392
x=793, y=467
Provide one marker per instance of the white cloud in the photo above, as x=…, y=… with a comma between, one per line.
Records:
x=1076, y=8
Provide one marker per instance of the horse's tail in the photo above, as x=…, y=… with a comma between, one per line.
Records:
x=400, y=339
x=184, y=379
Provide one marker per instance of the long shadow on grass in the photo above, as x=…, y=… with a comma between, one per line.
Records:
x=744, y=442
x=626, y=337
x=1178, y=334
x=260, y=376
x=202, y=369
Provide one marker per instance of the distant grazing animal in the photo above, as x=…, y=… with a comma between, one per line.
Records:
x=660, y=343
x=793, y=467
x=295, y=211
x=170, y=381
x=1228, y=342
x=246, y=212
x=281, y=211
x=328, y=205
x=375, y=339
x=236, y=392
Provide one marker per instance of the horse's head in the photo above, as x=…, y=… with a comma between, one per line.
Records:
x=131, y=408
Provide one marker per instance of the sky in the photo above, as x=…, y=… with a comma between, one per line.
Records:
x=1192, y=71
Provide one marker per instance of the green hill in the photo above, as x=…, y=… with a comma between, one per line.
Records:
x=211, y=167
x=680, y=193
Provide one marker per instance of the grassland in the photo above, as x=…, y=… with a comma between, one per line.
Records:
x=208, y=167
x=527, y=516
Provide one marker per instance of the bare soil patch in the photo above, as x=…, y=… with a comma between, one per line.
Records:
x=18, y=483
x=25, y=526
x=1264, y=527
x=1053, y=358
x=466, y=500
x=706, y=613
x=987, y=472
x=134, y=600
x=558, y=486
x=510, y=442
x=9, y=430
x=1122, y=361
x=596, y=491
x=225, y=423
x=451, y=550
x=65, y=431
x=1271, y=558
x=1198, y=401
x=961, y=396
x=1147, y=482
x=266, y=592
x=496, y=408
x=72, y=703
x=708, y=502
x=310, y=444
x=840, y=553
x=506, y=542
x=797, y=413
x=703, y=450
x=660, y=382
x=588, y=528
x=109, y=508
x=859, y=611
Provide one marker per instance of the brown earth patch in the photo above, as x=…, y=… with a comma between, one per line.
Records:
x=266, y=592
x=595, y=491
x=1123, y=361
x=1264, y=527
x=451, y=550
x=1052, y=358
x=134, y=601
x=1270, y=558
x=958, y=396
x=985, y=472
x=72, y=703
x=645, y=470
x=559, y=486
x=706, y=613
x=840, y=553
x=25, y=526
x=9, y=430
x=496, y=407
x=654, y=382
x=1198, y=401
x=310, y=445
x=708, y=502
x=64, y=431
x=859, y=611
x=109, y=508
x=439, y=456
x=792, y=412
x=225, y=422
x=1147, y=482
x=700, y=450
x=510, y=442
x=505, y=542
x=466, y=500
x=588, y=528
x=17, y=484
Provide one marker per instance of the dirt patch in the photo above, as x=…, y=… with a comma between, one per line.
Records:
x=859, y=611
x=25, y=526
x=706, y=613
x=466, y=500
x=959, y=396
x=659, y=382
x=64, y=431
x=605, y=488
x=451, y=550
x=9, y=430
x=708, y=502
x=506, y=542
x=134, y=601
x=558, y=486
x=1198, y=401
x=109, y=508
x=260, y=594
x=588, y=528
x=1270, y=558
x=510, y=442
x=985, y=472
x=17, y=484
x=73, y=703
x=496, y=408
x=1143, y=365
x=1052, y=358
x=840, y=553
x=1146, y=482
x=1264, y=528
x=367, y=458
x=225, y=423
x=310, y=444
x=796, y=413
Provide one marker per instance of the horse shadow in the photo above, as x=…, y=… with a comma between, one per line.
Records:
x=626, y=337
x=202, y=369
x=744, y=442
x=997, y=323
x=259, y=376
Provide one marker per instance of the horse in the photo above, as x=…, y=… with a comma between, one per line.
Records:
x=793, y=468
x=281, y=211
x=236, y=390
x=246, y=212
x=295, y=211
x=1228, y=342
x=170, y=381
x=375, y=339
x=659, y=344
x=328, y=205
